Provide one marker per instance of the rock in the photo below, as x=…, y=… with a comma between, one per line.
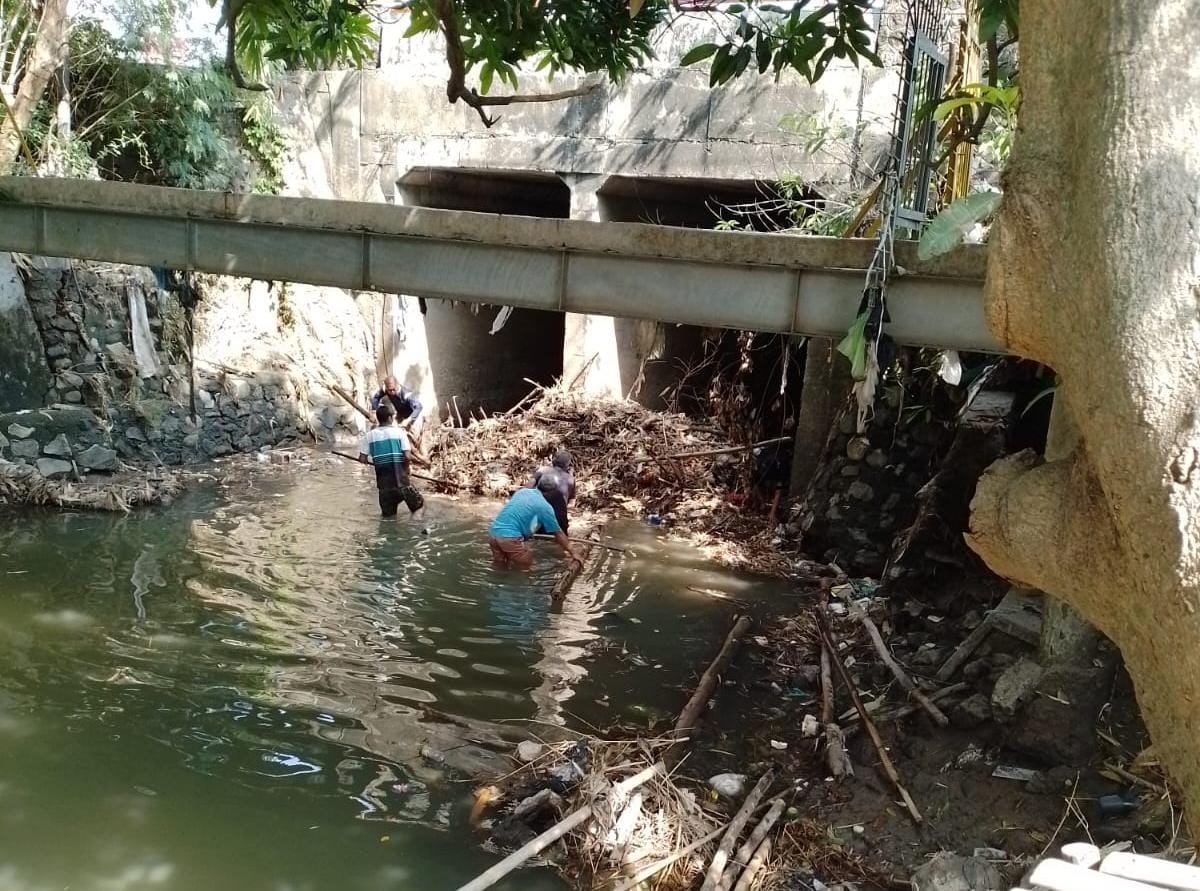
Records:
x=1015, y=687
x=809, y=726
x=26, y=448
x=857, y=448
x=1058, y=727
x=951, y=872
x=245, y=444
x=238, y=388
x=59, y=447
x=134, y=434
x=971, y=712
x=3, y=441
x=58, y=351
x=528, y=750
x=877, y=458
x=121, y=358
x=69, y=380
x=728, y=785
x=54, y=468
x=979, y=668
x=19, y=431
x=97, y=457
x=74, y=397
x=60, y=365
x=860, y=491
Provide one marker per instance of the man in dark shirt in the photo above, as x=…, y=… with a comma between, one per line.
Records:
x=560, y=476
x=403, y=400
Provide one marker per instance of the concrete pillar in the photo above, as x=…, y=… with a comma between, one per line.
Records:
x=1067, y=638
x=602, y=355
x=826, y=383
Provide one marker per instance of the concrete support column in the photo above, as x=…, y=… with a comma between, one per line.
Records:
x=826, y=383
x=602, y=355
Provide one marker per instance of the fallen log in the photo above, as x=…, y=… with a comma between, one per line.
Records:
x=587, y=541
x=689, y=718
x=964, y=650
x=716, y=869
x=888, y=767
x=899, y=673
x=576, y=818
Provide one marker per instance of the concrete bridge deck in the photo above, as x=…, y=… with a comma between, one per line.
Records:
x=774, y=283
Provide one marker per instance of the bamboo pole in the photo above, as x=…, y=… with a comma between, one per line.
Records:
x=716, y=869
x=412, y=473
x=750, y=845
x=728, y=450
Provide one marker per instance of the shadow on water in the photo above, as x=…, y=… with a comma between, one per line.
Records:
x=242, y=690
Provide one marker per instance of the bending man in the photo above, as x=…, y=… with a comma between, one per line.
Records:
x=402, y=399
x=559, y=473
x=516, y=523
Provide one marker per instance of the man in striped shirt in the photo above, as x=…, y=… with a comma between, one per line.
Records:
x=388, y=449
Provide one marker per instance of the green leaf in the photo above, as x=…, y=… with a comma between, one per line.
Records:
x=486, y=73
x=944, y=109
x=721, y=64
x=763, y=52
x=949, y=227
x=697, y=54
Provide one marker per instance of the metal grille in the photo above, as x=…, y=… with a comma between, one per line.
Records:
x=924, y=76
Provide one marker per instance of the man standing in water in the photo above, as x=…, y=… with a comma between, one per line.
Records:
x=405, y=402
x=388, y=449
x=559, y=473
x=517, y=521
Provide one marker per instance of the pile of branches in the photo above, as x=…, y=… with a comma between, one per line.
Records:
x=626, y=458
x=22, y=484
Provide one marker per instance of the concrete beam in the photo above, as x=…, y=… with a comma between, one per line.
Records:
x=787, y=284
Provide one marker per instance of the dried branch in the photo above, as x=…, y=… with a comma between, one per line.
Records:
x=456, y=86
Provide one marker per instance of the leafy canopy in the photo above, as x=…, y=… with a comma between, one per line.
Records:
x=494, y=37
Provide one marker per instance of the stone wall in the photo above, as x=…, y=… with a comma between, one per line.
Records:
x=865, y=489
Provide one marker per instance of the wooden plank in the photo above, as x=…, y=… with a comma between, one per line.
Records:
x=1153, y=870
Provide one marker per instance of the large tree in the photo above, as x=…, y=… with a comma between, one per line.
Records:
x=33, y=44
x=1094, y=270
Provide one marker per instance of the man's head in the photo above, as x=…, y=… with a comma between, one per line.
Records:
x=547, y=486
x=391, y=386
x=385, y=414
x=562, y=459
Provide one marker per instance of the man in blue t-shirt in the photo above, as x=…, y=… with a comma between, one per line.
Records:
x=517, y=522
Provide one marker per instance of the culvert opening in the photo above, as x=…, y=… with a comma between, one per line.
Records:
x=474, y=368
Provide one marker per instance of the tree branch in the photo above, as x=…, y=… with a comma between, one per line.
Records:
x=976, y=128
x=232, y=9
x=456, y=85
x=48, y=50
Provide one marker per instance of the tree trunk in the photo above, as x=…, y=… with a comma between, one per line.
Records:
x=49, y=50
x=1095, y=271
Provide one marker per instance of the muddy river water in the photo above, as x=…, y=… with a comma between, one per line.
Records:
x=265, y=686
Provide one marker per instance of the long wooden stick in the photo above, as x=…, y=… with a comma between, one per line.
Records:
x=750, y=845
x=899, y=673
x=559, y=592
x=587, y=541
x=716, y=868
x=888, y=767
x=576, y=818
x=412, y=473
x=964, y=650
x=689, y=718
x=729, y=450
x=911, y=709
x=362, y=411
x=836, y=756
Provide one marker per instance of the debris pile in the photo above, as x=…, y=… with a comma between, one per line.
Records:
x=665, y=468
x=23, y=484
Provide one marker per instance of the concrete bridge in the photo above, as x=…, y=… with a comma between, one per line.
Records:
x=798, y=285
